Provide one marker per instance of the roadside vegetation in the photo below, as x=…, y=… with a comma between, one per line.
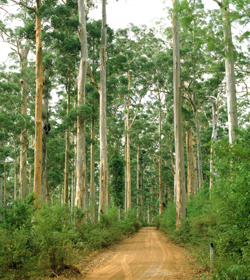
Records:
x=221, y=217
x=49, y=240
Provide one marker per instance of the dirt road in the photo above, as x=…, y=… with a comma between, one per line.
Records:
x=146, y=255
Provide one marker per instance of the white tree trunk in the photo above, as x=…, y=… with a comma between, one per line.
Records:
x=160, y=166
x=198, y=143
x=92, y=170
x=215, y=114
x=103, y=187
x=23, y=137
x=66, y=167
x=15, y=176
x=81, y=199
x=125, y=152
x=179, y=152
x=230, y=77
x=137, y=181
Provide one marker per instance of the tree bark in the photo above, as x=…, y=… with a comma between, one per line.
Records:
x=5, y=185
x=125, y=152
x=128, y=162
x=15, y=175
x=190, y=163
x=142, y=201
x=46, y=128
x=92, y=170
x=215, y=114
x=23, y=137
x=160, y=165
x=137, y=181
x=38, y=109
x=66, y=168
x=181, y=211
x=81, y=199
x=1, y=196
x=47, y=190
x=103, y=187
x=198, y=143
x=230, y=77
x=75, y=162
x=30, y=174
x=72, y=195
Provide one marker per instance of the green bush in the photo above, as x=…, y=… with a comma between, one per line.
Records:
x=48, y=239
x=55, y=249
x=225, y=218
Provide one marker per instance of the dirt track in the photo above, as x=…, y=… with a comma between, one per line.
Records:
x=146, y=255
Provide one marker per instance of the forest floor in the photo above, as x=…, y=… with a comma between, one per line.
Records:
x=147, y=254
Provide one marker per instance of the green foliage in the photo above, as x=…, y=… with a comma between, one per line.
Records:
x=225, y=218
x=48, y=239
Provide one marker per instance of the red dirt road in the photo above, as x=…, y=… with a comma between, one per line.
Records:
x=146, y=255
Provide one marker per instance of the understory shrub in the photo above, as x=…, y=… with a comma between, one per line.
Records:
x=223, y=219
x=50, y=239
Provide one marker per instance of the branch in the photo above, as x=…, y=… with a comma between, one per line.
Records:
x=25, y=6
x=171, y=168
x=4, y=10
x=211, y=97
x=154, y=161
x=135, y=115
x=116, y=107
x=190, y=100
x=5, y=32
x=93, y=79
x=219, y=3
x=15, y=50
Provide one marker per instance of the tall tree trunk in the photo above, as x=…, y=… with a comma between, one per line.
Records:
x=181, y=210
x=1, y=196
x=81, y=199
x=190, y=163
x=198, y=143
x=23, y=144
x=103, y=187
x=128, y=194
x=38, y=109
x=148, y=215
x=137, y=181
x=5, y=184
x=92, y=170
x=142, y=200
x=75, y=160
x=30, y=174
x=72, y=191
x=23, y=137
x=230, y=77
x=47, y=191
x=46, y=128
x=215, y=115
x=125, y=148
x=160, y=166
x=15, y=176
x=66, y=168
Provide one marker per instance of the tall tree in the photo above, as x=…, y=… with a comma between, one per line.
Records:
x=229, y=66
x=103, y=186
x=81, y=199
x=180, y=190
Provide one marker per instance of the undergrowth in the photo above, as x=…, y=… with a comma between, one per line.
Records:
x=47, y=240
x=223, y=219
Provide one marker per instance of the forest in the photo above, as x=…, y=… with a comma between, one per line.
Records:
x=104, y=131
